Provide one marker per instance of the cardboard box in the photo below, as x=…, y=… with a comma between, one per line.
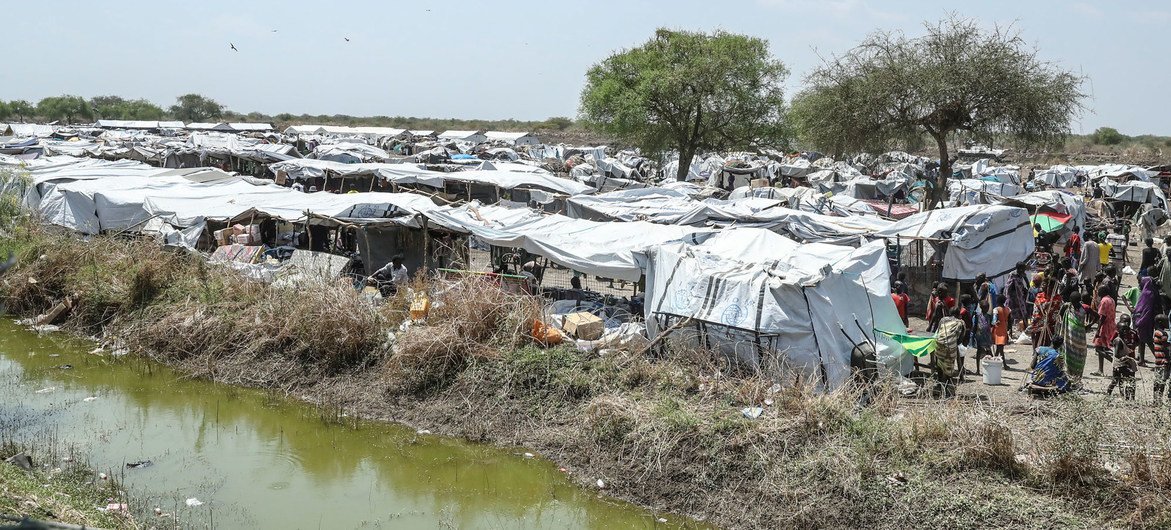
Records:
x=584, y=326
x=758, y=183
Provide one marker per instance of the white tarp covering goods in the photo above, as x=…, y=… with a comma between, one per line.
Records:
x=777, y=300
x=987, y=239
x=606, y=249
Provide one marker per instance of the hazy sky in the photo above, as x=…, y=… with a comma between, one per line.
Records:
x=495, y=60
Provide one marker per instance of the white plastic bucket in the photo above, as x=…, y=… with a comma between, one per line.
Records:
x=992, y=367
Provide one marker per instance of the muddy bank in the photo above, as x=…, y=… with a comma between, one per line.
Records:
x=665, y=432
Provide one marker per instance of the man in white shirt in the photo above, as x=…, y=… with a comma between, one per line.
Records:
x=394, y=273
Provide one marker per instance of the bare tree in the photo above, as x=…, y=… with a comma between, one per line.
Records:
x=959, y=77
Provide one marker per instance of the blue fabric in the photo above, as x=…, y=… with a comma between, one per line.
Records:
x=1048, y=371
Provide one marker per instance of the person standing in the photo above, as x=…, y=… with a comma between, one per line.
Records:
x=1090, y=263
x=1104, y=248
x=1016, y=296
x=901, y=300
x=1073, y=247
x=1149, y=306
x=1125, y=366
x=1001, y=318
x=1162, y=363
x=1150, y=256
x=1073, y=334
x=951, y=331
x=1046, y=309
x=1104, y=338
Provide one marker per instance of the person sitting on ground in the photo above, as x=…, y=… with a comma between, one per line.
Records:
x=1107, y=330
x=1162, y=363
x=1125, y=366
x=1048, y=375
x=1150, y=256
x=391, y=276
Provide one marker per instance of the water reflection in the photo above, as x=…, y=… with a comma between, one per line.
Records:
x=258, y=460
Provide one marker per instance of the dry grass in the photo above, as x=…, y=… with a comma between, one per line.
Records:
x=663, y=431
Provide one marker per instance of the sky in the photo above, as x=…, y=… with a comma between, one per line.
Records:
x=522, y=60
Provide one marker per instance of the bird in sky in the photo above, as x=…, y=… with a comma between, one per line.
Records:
x=347, y=39
x=233, y=47
x=274, y=31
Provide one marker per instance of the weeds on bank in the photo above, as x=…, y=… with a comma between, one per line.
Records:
x=671, y=424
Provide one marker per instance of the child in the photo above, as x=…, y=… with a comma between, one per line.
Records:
x=1162, y=366
x=1001, y=318
x=1125, y=365
x=1104, y=338
x=901, y=300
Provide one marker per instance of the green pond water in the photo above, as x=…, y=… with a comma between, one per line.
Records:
x=260, y=461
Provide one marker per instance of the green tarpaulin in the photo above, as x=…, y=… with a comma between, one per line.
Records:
x=1048, y=223
x=917, y=346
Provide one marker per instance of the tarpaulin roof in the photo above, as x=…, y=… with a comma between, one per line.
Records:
x=987, y=239
x=756, y=282
x=606, y=249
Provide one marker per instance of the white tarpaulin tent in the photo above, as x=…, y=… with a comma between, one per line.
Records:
x=657, y=205
x=772, y=296
x=977, y=191
x=606, y=249
x=90, y=203
x=987, y=239
x=1134, y=191
x=1067, y=203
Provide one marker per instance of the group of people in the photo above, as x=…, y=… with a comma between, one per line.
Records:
x=1064, y=310
x=980, y=320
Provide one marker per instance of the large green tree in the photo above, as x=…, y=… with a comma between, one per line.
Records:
x=959, y=78
x=65, y=108
x=21, y=109
x=107, y=107
x=5, y=110
x=196, y=108
x=689, y=92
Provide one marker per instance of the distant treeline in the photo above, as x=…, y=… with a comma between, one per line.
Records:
x=196, y=108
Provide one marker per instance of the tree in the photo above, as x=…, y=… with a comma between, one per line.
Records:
x=21, y=108
x=557, y=122
x=64, y=108
x=689, y=91
x=116, y=108
x=196, y=108
x=958, y=78
x=5, y=110
x=1107, y=136
x=107, y=107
